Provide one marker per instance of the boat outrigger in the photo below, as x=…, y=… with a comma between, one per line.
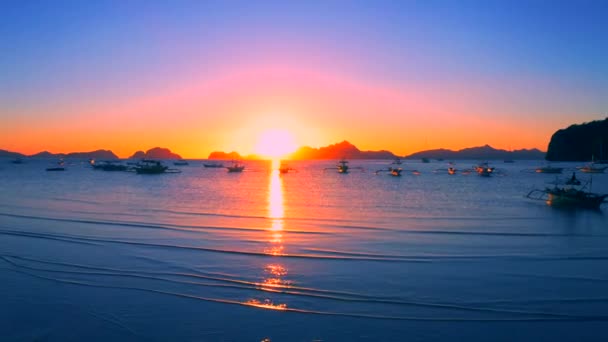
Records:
x=569, y=196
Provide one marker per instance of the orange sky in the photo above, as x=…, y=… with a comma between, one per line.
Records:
x=230, y=111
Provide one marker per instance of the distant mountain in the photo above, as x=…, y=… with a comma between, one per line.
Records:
x=233, y=156
x=339, y=150
x=47, y=154
x=580, y=142
x=97, y=154
x=486, y=152
x=224, y=155
x=156, y=153
x=9, y=154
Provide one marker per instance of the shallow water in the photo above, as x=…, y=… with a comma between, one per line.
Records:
x=205, y=255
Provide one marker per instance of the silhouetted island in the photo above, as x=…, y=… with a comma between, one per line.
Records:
x=340, y=150
x=486, y=152
x=225, y=156
x=156, y=153
x=580, y=142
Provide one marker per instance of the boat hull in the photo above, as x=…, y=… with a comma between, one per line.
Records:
x=575, y=199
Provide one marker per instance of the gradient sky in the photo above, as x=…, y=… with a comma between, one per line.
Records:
x=198, y=76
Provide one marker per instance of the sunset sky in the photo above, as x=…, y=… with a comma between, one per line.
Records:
x=199, y=76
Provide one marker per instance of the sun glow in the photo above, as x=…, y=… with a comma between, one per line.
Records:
x=276, y=143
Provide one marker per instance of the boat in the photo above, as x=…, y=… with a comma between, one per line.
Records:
x=284, y=168
x=235, y=167
x=397, y=161
x=213, y=165
x=426, y=160
x=592, y=168
x=395, y=171
x=484, y=170
x=180, y=162
x=343, y=166
x=548, y=169
x=392, y=171
x=573, y=180
x=59, y=166
x=568, y=197
x=108, y=165
x=572, y=195
x=18, y=160
x=148, y=166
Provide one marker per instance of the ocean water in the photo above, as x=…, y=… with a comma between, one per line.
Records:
x=206, y=255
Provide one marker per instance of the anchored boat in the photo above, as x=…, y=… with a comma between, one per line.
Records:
x=569, y=196
x=148, y=166
x=484, y=170
x=235, y=167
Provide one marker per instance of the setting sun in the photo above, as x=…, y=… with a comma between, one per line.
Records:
x=275, y=144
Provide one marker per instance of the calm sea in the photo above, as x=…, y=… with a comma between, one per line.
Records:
x=206, y=255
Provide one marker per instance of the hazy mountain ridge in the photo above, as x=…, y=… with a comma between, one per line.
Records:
x=97, y=154
x=480, y=153
x=343, y=149
x=580, y=142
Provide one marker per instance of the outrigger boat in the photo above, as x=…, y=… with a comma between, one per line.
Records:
x=548, y=169
x=180, y=162
x=343, y=167
x=284, y=168
x=570, y=196
x=108, y=165
x=235, y=167
x=484, y=170
x=213, y=165
x=592, y=168
x=392, y=171
x=149, y=167
x=60, y=167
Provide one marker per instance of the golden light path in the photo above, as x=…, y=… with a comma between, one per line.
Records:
x=274, y=272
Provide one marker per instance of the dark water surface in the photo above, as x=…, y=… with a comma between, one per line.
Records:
x=205, y=255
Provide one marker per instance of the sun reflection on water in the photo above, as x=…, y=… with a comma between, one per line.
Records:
x=274, y=273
